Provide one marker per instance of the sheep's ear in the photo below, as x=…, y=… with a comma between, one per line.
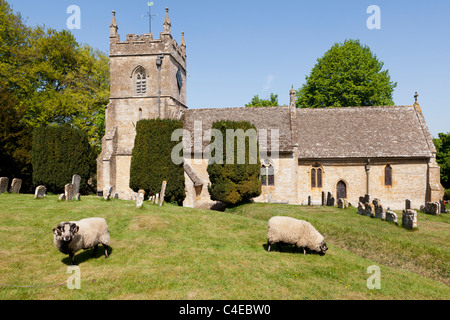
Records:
x=74, y=228
x=57, y=231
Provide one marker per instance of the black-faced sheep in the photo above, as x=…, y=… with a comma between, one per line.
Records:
x=70, y=237
x=295, y=232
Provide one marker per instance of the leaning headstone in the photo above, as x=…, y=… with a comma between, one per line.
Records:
x=309, y=200
x=76, y=180
x=324, y=200
x=68, y=191
x=342, y=203
x=4, y=182
x=407, y=204
x=361, y=209
x=329, y=195
x=391, y=216
x=140, y=199
x=380, y=213
x=162, y=194
x=433, y=208
x=40, y=192
x=409, y=219
x=157, y=198
x=367, y=198
x=62, y=197
x=107, y=196
x=16, y=185
x=370, y=210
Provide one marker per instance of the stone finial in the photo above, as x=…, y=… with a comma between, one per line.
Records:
x=183, y=43
x=416, y=103
x=113, y=27
x=292, y=97
x=167, y=23
x=416, y=96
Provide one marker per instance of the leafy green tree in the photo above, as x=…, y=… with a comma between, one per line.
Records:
x=443, y=157
x=234, y=183
x=257, y=102
x=58, y=153
x=348, y=75
x=151, y=161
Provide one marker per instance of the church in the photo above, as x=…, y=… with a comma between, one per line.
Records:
x=384, y=151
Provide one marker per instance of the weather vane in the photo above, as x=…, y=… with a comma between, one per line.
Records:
x=149, y=15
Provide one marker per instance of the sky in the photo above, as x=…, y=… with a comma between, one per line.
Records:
x=239, y=48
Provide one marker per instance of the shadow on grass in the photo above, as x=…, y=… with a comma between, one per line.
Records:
x=287, y=248
x=87, y=255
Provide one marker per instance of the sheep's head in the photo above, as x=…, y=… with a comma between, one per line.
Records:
x=322, y=248
x=65, y=231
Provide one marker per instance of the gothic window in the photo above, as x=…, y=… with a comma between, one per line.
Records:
x=388, y=175
x=267, y=174
x=316, y=176
x=141, y=81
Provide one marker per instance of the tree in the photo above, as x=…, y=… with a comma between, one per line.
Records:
x=151, y=161
x=443, y=157
x=234, y=183
x=348, y=75
x=58, y=153
x=257, y=102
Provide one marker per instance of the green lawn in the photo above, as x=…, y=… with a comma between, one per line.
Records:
x=180, y=253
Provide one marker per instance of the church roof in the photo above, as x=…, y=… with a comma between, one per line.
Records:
x=263, y=118
x=353, y=132
x=369, y=132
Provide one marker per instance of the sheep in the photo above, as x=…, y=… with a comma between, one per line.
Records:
x=70, y=237
x=295, y=232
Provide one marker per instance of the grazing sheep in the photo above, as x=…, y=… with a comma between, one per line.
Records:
x=70, y=237
x=296, y=232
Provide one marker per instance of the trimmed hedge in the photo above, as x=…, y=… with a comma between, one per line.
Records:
x=234, y=183
x=151, y=162
x=58, y=153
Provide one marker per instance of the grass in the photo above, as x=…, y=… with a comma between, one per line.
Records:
x=171, y=252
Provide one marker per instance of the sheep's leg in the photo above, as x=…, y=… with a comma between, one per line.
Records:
x=268, y=246
x=106, y=251
x=72, y=259
x=94, y=253
x=304, y=251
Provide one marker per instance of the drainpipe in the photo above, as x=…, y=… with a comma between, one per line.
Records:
x=367, y=176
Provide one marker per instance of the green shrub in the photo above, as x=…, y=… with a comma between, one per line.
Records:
x=234, y=183
x=151, y=162
x=58, y=153
x=447, y=194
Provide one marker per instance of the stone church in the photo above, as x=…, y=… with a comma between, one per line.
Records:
x=384, y=151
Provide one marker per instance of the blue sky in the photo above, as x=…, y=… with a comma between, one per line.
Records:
x=237, y=49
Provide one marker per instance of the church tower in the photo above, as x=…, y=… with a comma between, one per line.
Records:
x=147, y=81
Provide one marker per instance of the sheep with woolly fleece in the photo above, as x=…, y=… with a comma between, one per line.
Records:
x=70, y=237
x=300, y=233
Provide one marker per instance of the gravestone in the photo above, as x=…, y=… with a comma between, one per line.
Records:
x=163, y=192
x=40, y=192
x=157, y=198
x=16, y=185
x=324, y=201
x=380, y=213
x=433, y=208
x=407, y=204
x=62, y=197
x=140, y=199
x=361, y=209
x=391, y=216
x=76, y=180
x=107, y=196
x=342, y=203
x=367, y=198
x=77, y=197
x=309, y=200
x=68, y=191
x=409, y=219
x=370, y=210
x=150, y=199
x=4, y=182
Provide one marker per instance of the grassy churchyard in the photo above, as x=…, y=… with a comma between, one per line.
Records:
x=172, y=252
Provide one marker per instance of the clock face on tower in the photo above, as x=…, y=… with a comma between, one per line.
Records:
x=179, y=79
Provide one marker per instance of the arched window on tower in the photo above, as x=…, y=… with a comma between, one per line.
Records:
x=388, y=176
x=141, y=81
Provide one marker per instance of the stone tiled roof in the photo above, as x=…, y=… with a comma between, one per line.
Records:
x=263, y=118
x=354, y=132
x=393, y=131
